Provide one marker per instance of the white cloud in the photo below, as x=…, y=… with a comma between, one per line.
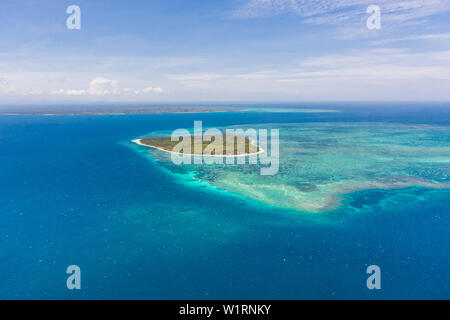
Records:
x=6, y=86
x=98, y=86
x=131, y=91
x=376, y=74
x=70, y=92
x=34, y=92
x=152, y=90
x=335, y=11
x=194, y=76
x=101, y=86
x=419, y=37
x=375, y=64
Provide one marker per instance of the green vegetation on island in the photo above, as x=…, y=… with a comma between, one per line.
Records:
x=205, y=145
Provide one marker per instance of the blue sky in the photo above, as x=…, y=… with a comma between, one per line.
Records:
x=224, y=51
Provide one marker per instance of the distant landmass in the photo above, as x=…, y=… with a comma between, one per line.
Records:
x=115, y=111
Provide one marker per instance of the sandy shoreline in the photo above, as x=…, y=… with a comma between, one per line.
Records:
x=138, y=141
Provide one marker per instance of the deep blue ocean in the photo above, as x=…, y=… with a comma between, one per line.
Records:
x=73, y=192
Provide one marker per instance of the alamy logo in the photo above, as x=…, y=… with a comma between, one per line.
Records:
x=234, y=146
x=374, y=21
x=74, y=20
x=74, y=280
x=374, y=280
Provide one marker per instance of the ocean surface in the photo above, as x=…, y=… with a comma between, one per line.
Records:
x=358, y=185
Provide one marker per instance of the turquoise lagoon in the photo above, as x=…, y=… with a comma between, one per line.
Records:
x=366, y=184
x=321, y=162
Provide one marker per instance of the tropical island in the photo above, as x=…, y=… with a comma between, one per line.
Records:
x=205, y=145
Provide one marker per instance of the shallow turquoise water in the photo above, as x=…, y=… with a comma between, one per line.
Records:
x=320, y=162
x=75, y=191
